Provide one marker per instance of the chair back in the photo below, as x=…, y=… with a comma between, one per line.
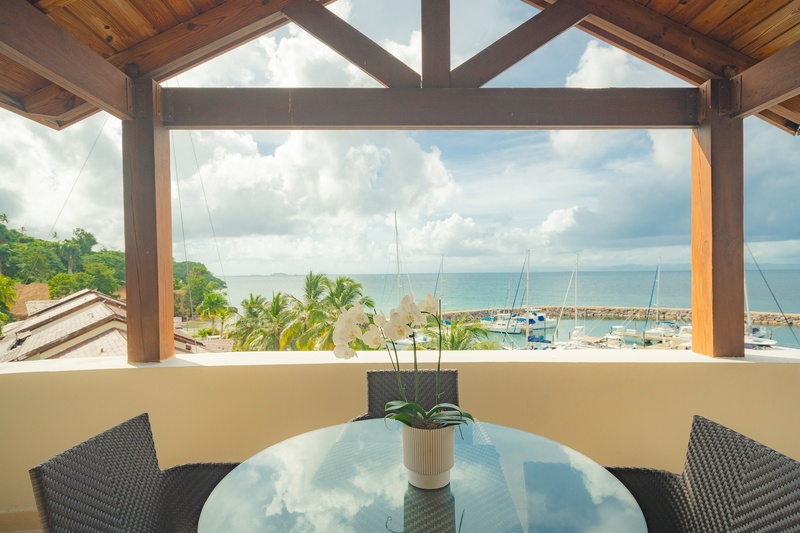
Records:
x=110, y=482
x=382, y=387
x=734, y=483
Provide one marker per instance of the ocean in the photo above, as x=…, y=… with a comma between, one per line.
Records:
x=768, y=291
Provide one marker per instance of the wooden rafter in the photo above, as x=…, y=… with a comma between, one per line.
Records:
x=206, y=36
x=33, y=40
x=435, y=28
x=516, y=45
x=351, y=44
x=769, y=82
x=656, y=39
x=315, y=108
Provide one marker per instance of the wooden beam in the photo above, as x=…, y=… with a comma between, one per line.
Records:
x=662, y=42
x=769, y=82
x=314, y=108
x=517, y=44
x=351, y=44
x=34, y=41
x=652, y=31
x=717, y=227
x=435, y=43
x=208, y=35
x=148, y=230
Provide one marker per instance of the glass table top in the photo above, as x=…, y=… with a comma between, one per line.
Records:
x=351, y=478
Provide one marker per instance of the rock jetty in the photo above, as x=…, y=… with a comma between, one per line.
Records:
x=683, y=316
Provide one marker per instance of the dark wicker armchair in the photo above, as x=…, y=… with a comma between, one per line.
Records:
x=730, y=483
x=112, y=482
x=382, y=388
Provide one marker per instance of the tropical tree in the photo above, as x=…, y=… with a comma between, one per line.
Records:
x=249, y=320
x=68, y=251
x=212, y=306
x=307, y=314
x=341, y=293
x=7, y=298
x=263, y=323
x=462, y=334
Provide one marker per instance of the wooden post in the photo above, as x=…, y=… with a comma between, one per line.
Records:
x=148, y=229
x=717, y=226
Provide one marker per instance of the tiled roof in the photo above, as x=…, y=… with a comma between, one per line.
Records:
x=83, y=324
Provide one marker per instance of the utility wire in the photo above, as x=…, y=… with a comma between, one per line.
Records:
x=183, y=229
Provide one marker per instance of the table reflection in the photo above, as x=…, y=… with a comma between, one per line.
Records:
x=350, y=478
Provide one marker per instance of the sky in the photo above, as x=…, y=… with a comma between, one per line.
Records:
x=263, y=202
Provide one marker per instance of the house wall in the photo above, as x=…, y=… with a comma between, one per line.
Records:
x=629, y=407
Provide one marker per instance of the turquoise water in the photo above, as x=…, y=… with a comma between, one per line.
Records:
x=504, y=289
x=475, y=291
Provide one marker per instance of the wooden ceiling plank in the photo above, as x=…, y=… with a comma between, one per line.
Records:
x=526, y=38
x=780, y=122
x=781, y=25
x=46, y=6
x=351, y=44
x=315, y=108
x=713, y=15
x=52, y=101
x=31, y=39
x=158, y=14
x=769, y=82
x=9, y=100
x=435, y=43
x=77, y=27
x=752, y=13
x=662, y=6
x=131, y=25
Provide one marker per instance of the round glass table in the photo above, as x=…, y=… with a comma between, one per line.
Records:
x=350, y=478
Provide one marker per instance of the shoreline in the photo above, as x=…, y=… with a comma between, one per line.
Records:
x=604, y=312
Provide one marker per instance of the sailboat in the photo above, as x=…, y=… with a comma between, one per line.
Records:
x=754, y=335
x=416, y=336
x=534, y=320
x=662, y=329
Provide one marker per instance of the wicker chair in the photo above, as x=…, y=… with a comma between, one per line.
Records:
x=382, y=388
x=730, y=483
x=112, y=483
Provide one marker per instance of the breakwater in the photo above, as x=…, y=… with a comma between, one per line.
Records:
x=681, y=316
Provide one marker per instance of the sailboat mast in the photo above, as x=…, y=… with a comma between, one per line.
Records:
x=397, y=254
x=658, y=289
x=576, y=290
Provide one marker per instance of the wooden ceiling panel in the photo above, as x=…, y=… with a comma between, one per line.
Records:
x=752, y=13
x=692, y=39
x=159, y=15
x=184, y=10
x=782, y=27
x=715, y=14
x=685, y=12
x=17, y=81
x=77, y=26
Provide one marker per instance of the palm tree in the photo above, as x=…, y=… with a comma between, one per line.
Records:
x=263, y=324
x=211, y=307
x=462, y=334
x=342, y=293
x=307, y=314
x=248, y=321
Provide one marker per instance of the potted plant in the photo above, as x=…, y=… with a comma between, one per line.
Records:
x=428, y=434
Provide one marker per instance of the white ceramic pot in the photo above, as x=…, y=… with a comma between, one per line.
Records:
x=429, y=455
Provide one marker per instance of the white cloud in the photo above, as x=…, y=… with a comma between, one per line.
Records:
x=290, y=202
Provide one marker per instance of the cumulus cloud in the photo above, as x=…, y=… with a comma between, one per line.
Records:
x=267, y=201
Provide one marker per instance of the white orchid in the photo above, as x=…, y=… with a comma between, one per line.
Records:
x=410, y=313
x=375, y=330
x=430, y=304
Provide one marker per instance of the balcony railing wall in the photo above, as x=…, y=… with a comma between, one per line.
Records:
x=618, y=407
